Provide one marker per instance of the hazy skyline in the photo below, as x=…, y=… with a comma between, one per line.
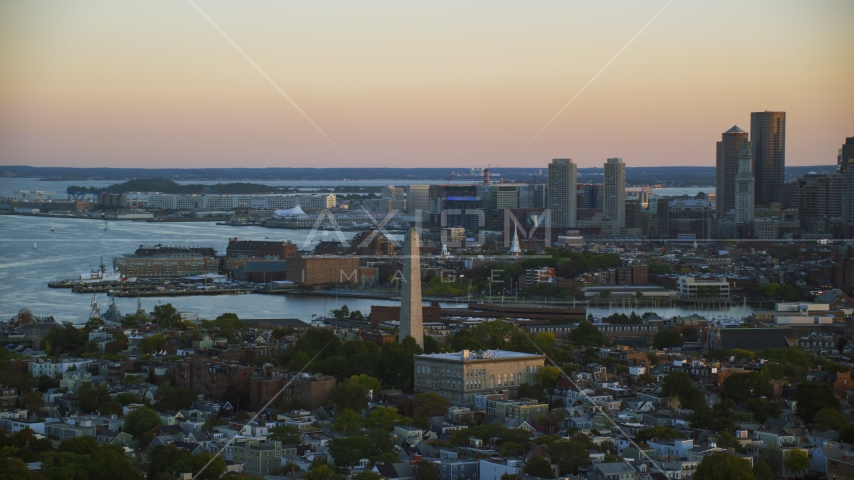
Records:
x=154, y=84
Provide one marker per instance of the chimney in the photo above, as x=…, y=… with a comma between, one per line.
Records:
x=486, y=176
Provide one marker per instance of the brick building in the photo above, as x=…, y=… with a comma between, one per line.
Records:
x=322, y=270
x=213, y=379
x=313, y=390
x=260, y=249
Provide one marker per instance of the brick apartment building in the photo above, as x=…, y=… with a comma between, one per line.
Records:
x=214, y=379
x=313, y=390
x=633, y=275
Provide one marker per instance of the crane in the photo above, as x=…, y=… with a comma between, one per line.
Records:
x=453, y=172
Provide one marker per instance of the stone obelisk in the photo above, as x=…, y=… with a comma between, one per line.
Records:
x=411, y=321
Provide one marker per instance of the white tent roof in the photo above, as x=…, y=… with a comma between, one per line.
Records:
x=291, y=212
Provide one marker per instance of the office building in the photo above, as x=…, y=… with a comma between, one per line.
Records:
x=846, y=169
x=744, y=185
x=498, y=197
x=728, y=150
x=460, y=376
x=614, y=206
x=417, y=199
x=411, y=320
x=768, y=133
x=687, y=218
x=563, y=174
x=533, y=195
x=592, y=196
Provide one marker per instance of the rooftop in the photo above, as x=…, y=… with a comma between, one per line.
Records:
x=479, y=355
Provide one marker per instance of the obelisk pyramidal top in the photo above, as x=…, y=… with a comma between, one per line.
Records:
x=411, y=321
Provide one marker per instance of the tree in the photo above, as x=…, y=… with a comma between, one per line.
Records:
x=723, y=466
x=812, y=397
x=547, y=376
x=350, y=395
x=763, y=409
x=174, y=398
x=368, y=475
x=430, y=404
x=571, y=454
x=169, y=461
x=539, y=467
x=681, y=385
x=690, y=334
x=586, y=335
x=667, y=339
x=828, y=419
x=347, y=451
x=741, y=387
x=287, y=434
x=659, y=432
x=33, y=400
x=166, y=316
x=141, y=420
x=385, y=417
x=762, y=471
x=426, y=471
x=348, y=421
x=322, y=472
x=797, y=460
x=151, y=344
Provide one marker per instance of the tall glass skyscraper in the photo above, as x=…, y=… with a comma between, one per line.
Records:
x=768, y=135
x=726, y=168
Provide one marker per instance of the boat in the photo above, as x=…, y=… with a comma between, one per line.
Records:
x=106, y=226
x=103, y=276
x=52, y=227
x=35, y=246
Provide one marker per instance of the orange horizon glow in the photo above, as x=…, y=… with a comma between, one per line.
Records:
x=438, y=84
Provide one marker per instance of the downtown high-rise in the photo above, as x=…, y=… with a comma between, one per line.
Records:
x=726, y=168
x=563, y=174
x=614, y=197
x=768, y=135
x=744, y=186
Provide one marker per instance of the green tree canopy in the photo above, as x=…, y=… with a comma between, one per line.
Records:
x=667, y=339
x=539, y=467
x=723, y=466
x=586, y=335
x=350, y=395
x=813, y=397
x=141, y=420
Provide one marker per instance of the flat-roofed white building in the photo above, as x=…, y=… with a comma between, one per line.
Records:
x=702, y=288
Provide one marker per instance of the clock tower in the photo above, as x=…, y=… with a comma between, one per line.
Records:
x=744, y=186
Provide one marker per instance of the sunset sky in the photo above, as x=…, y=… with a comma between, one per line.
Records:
x=421, y=84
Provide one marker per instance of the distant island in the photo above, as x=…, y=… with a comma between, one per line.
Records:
x=169, y=186
x=673, y=176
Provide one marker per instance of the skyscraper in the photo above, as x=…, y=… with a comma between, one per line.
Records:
x=726, y=168
x=768, y=134
x=411, y=322
x=744, y=185
x=846, y=168
x=615, y=193
x=562, y=203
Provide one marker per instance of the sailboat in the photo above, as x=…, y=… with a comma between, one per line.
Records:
x=35, y=246
x=52, y=227
x=106, y=225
